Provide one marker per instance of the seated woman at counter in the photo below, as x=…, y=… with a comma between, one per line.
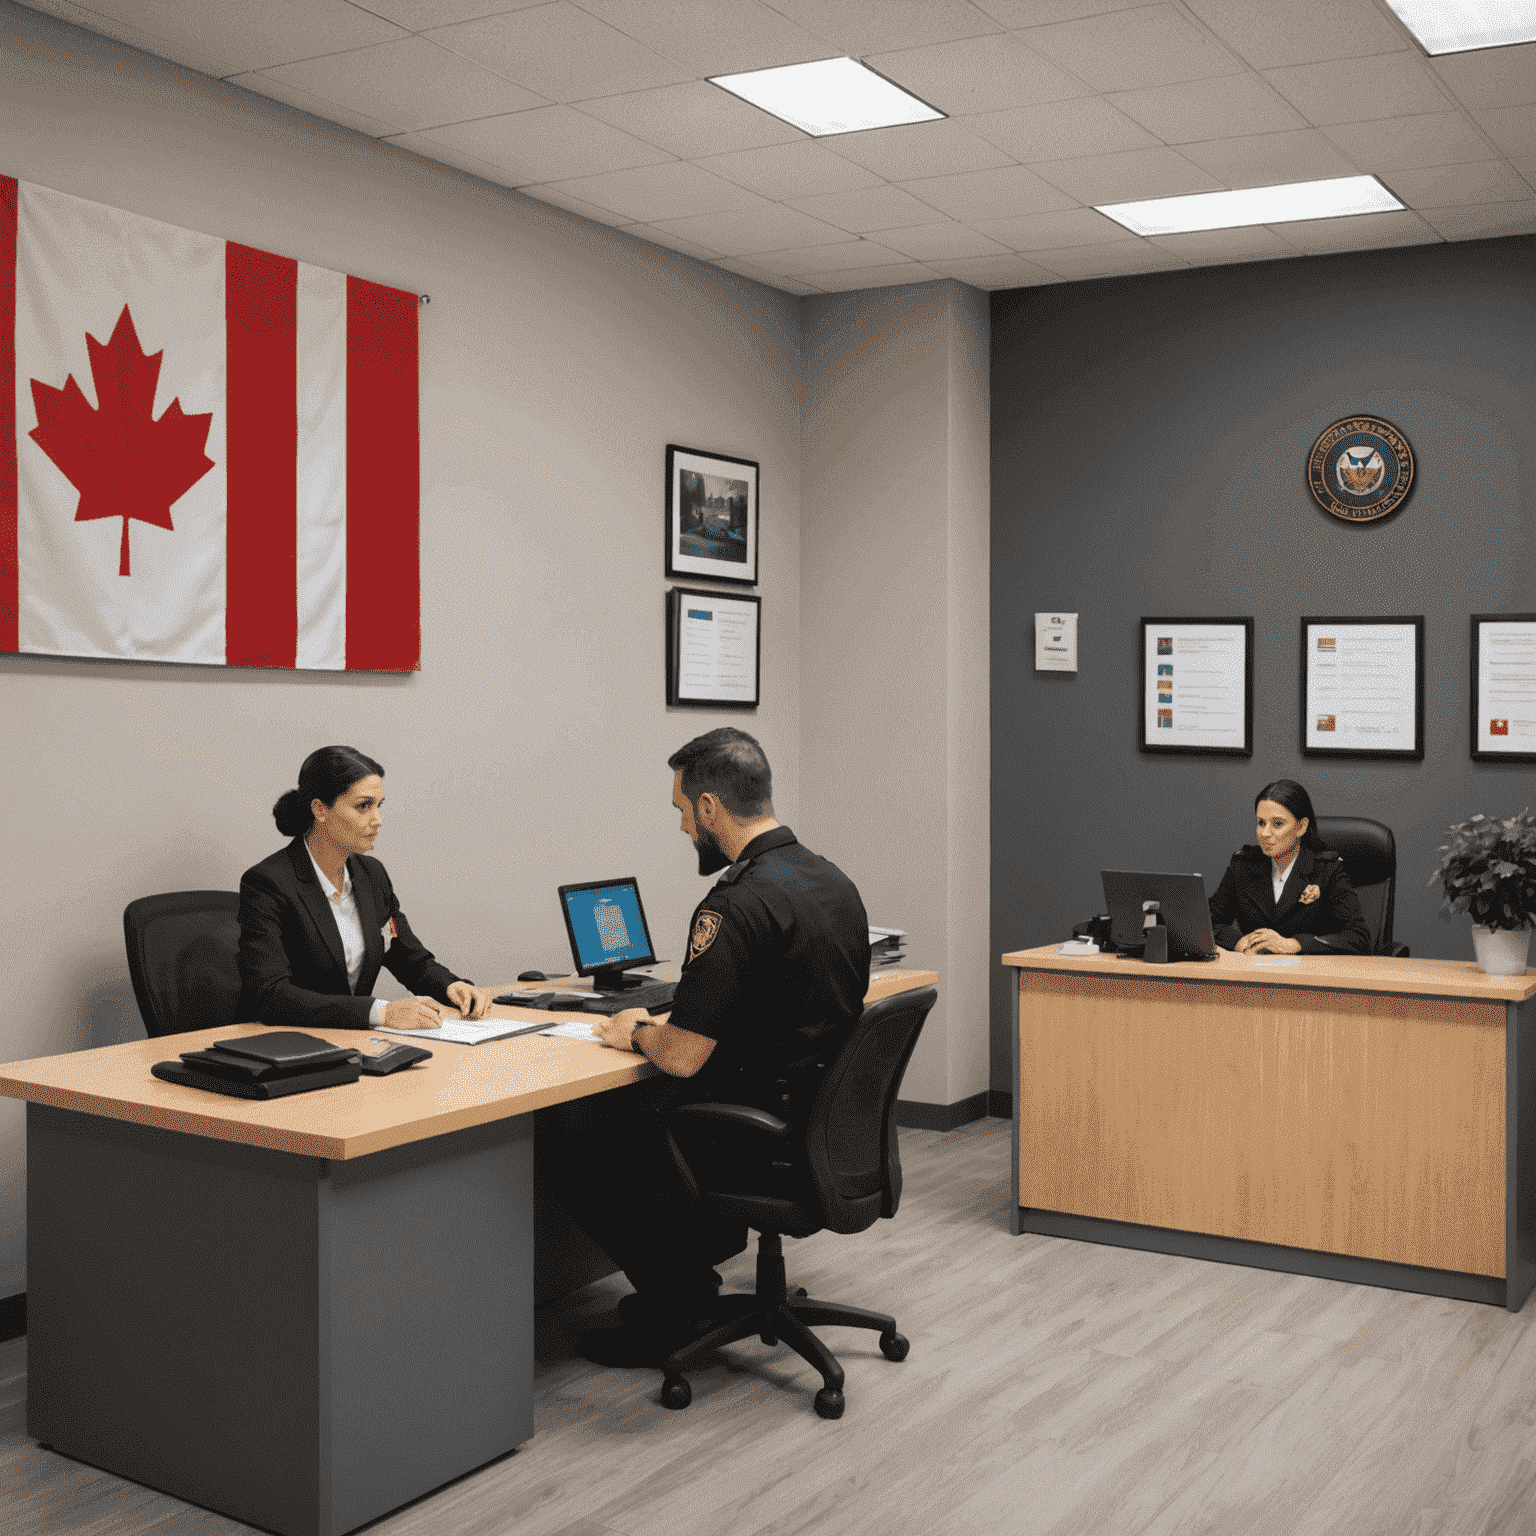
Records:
x=319, y=917
x=1288, y=895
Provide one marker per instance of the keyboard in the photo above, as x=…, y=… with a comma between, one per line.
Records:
x=654, y=997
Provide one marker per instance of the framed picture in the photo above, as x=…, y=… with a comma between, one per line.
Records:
x=711, y=516
x=1197, y=686
x=714, y=648
x=1504, y=687
x=1362, y=688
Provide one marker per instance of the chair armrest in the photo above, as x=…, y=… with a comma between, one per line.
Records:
x=743, y=1115
x=1399, y=951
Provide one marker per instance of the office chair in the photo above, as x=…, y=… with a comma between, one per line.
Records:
x=838, y=1168
x=1369, y=852
x=181, y=958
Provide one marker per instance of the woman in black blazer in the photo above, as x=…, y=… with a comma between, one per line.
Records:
x=319, y=917
x=1316, y=911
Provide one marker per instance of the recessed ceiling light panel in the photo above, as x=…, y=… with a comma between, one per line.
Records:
x=1458, y=26
x=829, y=96
x=1333, y=199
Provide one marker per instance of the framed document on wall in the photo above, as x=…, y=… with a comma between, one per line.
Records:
x=714, y=650
x=1197, y=686
x=1362, y=688
x=1504, y=687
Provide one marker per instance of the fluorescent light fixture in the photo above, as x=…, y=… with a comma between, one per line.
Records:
x=1457, y=26
x=829, y=96
x=1332, y=199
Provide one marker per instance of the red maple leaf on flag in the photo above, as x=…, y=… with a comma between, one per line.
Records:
x=123, y=462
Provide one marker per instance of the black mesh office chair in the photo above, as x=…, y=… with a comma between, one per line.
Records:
x=1369, y=852
x=181, y=957
x=839, y=1169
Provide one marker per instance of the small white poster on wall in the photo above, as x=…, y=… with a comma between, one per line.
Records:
x=1055, y=642
x=1362, y=692
x=1504, y=687
x=1197, y=686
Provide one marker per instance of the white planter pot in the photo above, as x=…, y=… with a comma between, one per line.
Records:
x=1501, y=951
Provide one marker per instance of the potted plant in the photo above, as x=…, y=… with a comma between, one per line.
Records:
x=1488, y=870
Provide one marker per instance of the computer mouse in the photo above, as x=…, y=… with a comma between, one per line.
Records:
x=532, y=976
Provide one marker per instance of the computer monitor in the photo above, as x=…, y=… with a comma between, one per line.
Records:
x=1180, y=898
x=606, y=926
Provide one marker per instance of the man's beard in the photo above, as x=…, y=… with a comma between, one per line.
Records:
x=712, y=857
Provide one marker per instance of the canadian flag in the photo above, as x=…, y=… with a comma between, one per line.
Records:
x=212, y=452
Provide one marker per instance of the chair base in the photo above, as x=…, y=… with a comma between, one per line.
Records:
x=772, y=1314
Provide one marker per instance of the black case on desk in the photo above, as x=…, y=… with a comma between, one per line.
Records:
x=266, y=1066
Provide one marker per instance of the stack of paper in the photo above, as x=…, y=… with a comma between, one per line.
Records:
x=886, y=946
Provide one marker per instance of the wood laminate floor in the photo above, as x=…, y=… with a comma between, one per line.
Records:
x=1053, y=1387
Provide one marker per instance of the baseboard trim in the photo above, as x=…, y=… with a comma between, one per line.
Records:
x=917, y=1116
x=13, y=1317
x=1000, y=1104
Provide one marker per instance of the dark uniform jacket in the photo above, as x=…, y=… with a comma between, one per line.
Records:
x=777, y=965
x=1318, y=906
x=293, y=973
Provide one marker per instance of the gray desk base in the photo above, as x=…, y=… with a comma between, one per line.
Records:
x=297, y=1343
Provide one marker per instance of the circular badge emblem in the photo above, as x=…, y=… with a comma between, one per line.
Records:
x=1360, y=468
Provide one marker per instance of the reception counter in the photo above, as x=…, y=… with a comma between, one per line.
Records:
x=1359, y=1118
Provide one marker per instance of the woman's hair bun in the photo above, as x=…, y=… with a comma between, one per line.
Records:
x=291, y=813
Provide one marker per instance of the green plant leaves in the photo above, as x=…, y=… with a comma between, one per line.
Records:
x=1488, y=870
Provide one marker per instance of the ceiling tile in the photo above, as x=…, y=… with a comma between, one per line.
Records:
x=995, y=272
x=1526, y=165
x=547, y=144
x=1063, y=129
x=418, y=15
x=446, y=154
x=783, y=171
x=1046, y=231
x=1210, y=109
x=1363, y=232
x=653, y=236
x=872, y=277
x=561, y=52
x=1405, y=143
x=941, y=242
x=410, y=82
x=1131, y=50
x=712, y=37
x=1270, y=35
x=1270, y=159
x=1037, y=13
x=558, y=199
x=1449, y=186
x=307, y=101
x=1131, y=175
x=1513, y=129
x=917, y=149
x=1213, y=247
x=881, y=208
x=1485, y=223
x=745, y=231
x=695, y=118
x=1356, y=90
x=998, y=194
x=1491, y=77
x=863, y=27
x=767, y=279
x=978, y=74
x=841, y=257
x=651, y=194
x=1109, y=260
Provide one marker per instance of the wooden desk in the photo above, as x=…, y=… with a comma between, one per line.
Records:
x=1360, y=1118
x=302, y=1313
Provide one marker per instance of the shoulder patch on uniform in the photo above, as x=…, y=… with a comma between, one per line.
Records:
x=705, y=927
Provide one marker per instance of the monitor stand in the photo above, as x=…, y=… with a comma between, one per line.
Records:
x=614, y=980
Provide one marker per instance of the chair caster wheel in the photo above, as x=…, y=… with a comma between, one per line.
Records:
x=675, y=1392
x=894, y=1346
x=829, y=1403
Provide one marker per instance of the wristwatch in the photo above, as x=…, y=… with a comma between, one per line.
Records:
x=634, y=1044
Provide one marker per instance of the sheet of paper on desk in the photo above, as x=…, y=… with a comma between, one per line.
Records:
x=578, y=1030
x=463, y=1032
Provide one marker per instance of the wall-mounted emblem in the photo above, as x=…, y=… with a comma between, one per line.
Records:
x=1360, y=468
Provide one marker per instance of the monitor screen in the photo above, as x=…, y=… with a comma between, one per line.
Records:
x=606, y=925
x=1181, y=899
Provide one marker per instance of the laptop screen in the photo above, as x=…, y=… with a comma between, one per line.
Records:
x=606, y=925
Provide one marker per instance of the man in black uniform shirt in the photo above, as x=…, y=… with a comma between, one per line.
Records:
x=776, y=968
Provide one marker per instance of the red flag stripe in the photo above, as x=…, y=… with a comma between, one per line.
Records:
x=10, y=629
x=383, y=480
x=261, y=457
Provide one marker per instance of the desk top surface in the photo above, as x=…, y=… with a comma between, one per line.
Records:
x=462, y=1085
x=1351, y=973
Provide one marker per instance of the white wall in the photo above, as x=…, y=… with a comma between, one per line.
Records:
x=894, y=638
x=558, y=360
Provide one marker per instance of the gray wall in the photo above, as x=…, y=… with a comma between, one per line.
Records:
x=1149, y=441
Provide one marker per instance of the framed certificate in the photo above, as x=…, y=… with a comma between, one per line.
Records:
x=713, y=649
x=1504, y=687
x=1362, y=688
x=1197, y=686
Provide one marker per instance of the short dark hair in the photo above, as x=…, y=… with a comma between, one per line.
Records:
x=1289, y=794
x=327, y=774
x=730, y=764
